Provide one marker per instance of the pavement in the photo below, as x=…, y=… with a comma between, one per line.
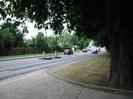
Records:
x=41, y=85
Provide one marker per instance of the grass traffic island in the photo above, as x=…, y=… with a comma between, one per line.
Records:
x=91, y=71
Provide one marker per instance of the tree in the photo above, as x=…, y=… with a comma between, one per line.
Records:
x=90, y=18
x=1, y=38
x=17, y=35
x=41, y=43
x=6, y=38
x=83, y=43
x=113, y=18
x=65, y=41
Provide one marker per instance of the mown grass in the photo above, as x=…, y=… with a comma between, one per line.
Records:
x=93, y=70
x=16, y=56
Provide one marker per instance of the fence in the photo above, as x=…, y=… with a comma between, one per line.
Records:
x=18, y=51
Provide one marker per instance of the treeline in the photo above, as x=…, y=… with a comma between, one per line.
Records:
x=11, y=36
x=56, y=42
x=12, y=41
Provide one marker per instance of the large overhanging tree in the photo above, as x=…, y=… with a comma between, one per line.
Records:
x=107, y=21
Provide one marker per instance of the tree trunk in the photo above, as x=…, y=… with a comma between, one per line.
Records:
x=114, y=53
x=125, y=64
x=121, y=67
x=121, y=50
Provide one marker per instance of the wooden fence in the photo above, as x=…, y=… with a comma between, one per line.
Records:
x=18, y=51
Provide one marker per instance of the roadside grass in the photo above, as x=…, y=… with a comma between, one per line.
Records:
x=27, y=55
x=92, y=71
x=16, y=56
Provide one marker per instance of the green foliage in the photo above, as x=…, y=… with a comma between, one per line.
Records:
x=53, y=43
x=10, y=35
x=69, y=41
x=66, y=41
x=2, y=10
x=57, y=42
x=102, y=40
x=53, y=14
x=41, y=42
x=86, y=18
x=6, y=38
x=84, y=42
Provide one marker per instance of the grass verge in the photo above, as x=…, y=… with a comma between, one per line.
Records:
x=19, y=56
x=27, y=55
x=93, y=70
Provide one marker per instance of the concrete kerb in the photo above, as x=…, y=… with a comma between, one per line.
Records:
x=92, y=86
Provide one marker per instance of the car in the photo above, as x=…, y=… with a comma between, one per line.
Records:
x=95, y=52
x=99, y=50
x=68, y=52
x=84, y=50
x=89, y=50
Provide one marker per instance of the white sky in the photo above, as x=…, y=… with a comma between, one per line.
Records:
x=33, y=31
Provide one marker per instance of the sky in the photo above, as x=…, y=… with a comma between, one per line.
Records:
x=33, y=31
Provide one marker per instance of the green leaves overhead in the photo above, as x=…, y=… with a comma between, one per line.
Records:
x=46, y=13
x=2, y=10
x=38, y=10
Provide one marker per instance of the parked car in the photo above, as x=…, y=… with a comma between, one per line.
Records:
x=95, y=52
x=99, y=50
x=84, y=50
x=68, y=52
x=89, y=50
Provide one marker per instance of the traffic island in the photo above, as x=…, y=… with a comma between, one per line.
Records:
x=45, y=58
x=57, y=57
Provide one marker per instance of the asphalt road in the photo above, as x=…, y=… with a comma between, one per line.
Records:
x=40, y=85
x=16, y=67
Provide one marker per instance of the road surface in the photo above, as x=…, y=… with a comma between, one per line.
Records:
x=40, y=85
x=16, y=67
